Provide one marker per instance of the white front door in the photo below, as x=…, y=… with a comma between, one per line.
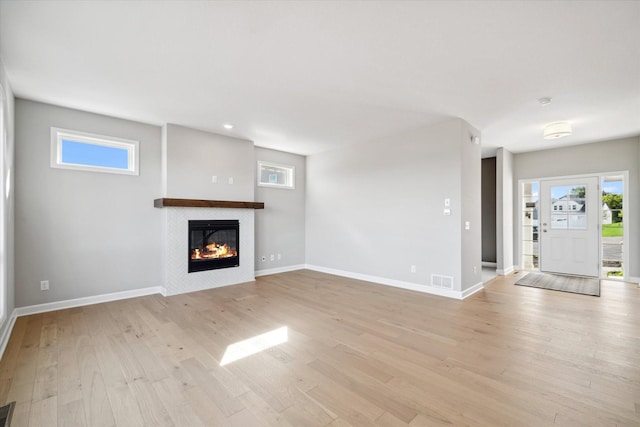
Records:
x=568, y=226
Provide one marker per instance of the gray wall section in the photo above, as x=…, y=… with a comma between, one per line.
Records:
x=504, y=210
x=489, y=209
x=7, y=252
x=88, y=233
x=377, y=208
x=280, y=226
x=595, y=158
x=193, y=157
x=470, y=193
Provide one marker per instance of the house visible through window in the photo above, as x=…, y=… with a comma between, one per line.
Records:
x=89, y=152
x=529, y=224
x=272, y=175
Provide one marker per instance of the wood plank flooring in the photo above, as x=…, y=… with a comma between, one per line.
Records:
x=357, y=354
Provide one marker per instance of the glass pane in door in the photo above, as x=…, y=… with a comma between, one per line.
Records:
x=568, y=207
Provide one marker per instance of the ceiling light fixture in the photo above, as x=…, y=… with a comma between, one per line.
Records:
x=557, y=130
x=228, y=126
x=545, y=101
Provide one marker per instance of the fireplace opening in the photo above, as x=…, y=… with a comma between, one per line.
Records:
x=213, y=244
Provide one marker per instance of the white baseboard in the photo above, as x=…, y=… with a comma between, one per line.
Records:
x=79, y=302
x=633, y=279
x=6, y=334
x=277, y=270
x=489, y=264
x=505, y=271
x=472, y=290
x=397, y=283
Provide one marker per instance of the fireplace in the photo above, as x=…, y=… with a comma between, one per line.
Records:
x=213, y=244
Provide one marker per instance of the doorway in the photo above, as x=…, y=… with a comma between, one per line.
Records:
x=569, y=208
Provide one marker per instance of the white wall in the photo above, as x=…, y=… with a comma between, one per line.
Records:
x=194, y=156
x=88, y=233
x=280, y=227
x=595, y=158
x=377, y=208
x=7, y=186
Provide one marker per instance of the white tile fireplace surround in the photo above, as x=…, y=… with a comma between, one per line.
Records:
x=175, y=221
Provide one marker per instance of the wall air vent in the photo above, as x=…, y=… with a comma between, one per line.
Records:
x=440, y=281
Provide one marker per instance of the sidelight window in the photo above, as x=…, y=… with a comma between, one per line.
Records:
x=529, y=221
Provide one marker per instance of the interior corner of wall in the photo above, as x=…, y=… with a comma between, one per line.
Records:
x=164, y=159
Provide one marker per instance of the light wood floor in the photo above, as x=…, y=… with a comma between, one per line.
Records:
x=357, y=354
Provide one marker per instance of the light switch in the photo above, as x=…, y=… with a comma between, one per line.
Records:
x=214, y=179
x=447, y=203
x=230, y=180
x=467, y=225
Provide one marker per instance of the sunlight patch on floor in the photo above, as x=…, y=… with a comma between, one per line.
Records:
x=248, y=347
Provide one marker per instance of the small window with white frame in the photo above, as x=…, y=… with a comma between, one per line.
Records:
x=277, y=176
x=97, y=153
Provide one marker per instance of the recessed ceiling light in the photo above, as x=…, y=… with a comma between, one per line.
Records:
x=544, y=101
x=228, y=126
x=557, y=130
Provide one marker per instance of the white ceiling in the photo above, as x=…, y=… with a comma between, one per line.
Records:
x=307, y=77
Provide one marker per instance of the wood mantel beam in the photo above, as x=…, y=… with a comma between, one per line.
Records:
x=195, y=203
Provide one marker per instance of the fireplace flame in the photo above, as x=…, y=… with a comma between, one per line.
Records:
x=212, y=251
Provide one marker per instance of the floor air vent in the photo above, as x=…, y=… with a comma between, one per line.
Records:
x=6, y=412
x=440, y=281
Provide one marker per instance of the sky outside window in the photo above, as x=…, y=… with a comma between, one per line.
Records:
x=80, y=153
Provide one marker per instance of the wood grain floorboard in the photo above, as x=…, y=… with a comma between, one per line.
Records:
x=356, y=354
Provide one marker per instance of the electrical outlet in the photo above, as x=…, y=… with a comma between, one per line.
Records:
x=264, y=258
x=475, y=270
x=413, y=268
x=273, y=257
x=44, y=285
x=279, y=257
